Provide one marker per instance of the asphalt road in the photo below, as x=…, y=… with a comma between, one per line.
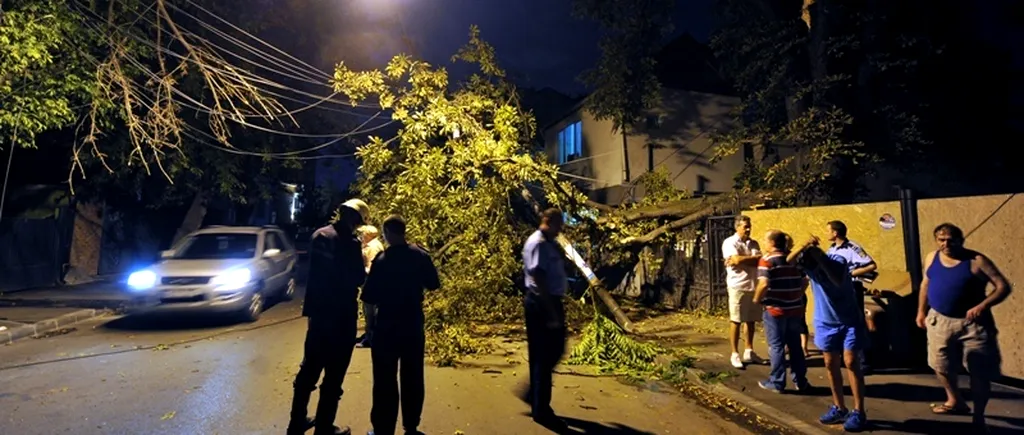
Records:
x=122, y=375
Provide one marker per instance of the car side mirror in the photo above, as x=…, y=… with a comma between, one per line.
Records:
x=167, y=254
x=271, y=253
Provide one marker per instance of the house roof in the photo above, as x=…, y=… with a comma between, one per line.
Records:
x=683, y=64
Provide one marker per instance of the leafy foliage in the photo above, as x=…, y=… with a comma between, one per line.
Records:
x=828, y=91
x=604, y=345
x=453, y=171
x=457, y=170
x=155, y=87
x=43, y=75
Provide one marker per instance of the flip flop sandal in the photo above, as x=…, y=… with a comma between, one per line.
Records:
x=942, y=408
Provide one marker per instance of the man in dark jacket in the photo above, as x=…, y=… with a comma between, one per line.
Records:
x=335, y=274
x=398, y=277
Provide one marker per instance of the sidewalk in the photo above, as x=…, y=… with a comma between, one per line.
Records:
x=35, y=312
x=897, y=402
x=103, y=294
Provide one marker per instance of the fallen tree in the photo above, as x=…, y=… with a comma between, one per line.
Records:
x=461, y=172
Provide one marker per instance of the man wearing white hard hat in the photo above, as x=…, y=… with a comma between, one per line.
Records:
x=336, y=272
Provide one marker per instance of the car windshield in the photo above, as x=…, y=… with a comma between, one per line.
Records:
x=219, y=246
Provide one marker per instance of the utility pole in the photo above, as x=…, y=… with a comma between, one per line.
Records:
x=7, y=174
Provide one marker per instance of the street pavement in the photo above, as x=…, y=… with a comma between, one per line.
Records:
x=126, y=375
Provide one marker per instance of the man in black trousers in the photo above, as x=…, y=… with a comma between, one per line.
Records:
x=336, y=271
x=398, y=278
x=546, y=282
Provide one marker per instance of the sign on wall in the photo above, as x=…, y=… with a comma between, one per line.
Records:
x=887, y=221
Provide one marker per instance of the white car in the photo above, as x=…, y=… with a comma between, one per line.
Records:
x=230, y=270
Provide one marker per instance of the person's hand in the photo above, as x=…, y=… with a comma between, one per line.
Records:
x=974, y=313
x=921, y=320
x=812, y=241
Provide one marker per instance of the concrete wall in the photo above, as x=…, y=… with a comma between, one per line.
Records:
x=992, y=226
x=86, y=241
x=681, y=144
x=990, y=223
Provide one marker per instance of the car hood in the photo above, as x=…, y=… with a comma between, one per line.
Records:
x=175, y=267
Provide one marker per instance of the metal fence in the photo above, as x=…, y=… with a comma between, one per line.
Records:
x=696, y=268
x=33, y=252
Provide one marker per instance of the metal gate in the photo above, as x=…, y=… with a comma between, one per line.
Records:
x=708, y=290
x=34, y=251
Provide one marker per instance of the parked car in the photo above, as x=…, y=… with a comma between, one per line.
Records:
x=229, y=270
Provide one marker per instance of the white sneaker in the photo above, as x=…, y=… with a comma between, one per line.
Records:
x=735, y=360
x=749, y=357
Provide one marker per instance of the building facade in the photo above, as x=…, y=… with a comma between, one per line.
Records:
x=676, y=136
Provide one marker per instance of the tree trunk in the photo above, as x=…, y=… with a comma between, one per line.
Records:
x=595, y=283
x=625, y=153
x=193, y=218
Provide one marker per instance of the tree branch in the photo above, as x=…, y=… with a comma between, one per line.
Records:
x=666, y=209
x=451, y=243
x=716, y=204
x=588, y=203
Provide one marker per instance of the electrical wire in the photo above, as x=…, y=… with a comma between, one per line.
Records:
x=244, y=32
x=147, y=103
x=248, y=75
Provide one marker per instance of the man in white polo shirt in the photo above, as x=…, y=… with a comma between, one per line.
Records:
x=741, y=254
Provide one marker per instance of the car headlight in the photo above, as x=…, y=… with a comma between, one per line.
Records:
x=142, y=280
x=232, y=280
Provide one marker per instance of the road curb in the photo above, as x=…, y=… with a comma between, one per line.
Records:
x=96, y=304
x=13, y=334
x=790, y=421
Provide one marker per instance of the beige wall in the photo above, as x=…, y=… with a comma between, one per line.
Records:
x=681, y=144
x=992, y=226
x=862, y=223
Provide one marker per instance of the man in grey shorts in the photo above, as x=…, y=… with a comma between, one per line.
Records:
x=741, y=254
x=961, y=329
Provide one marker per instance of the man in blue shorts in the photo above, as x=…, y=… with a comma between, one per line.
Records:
x=839, y=330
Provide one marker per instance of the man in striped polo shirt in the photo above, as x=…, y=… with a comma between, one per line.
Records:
x=780, y=289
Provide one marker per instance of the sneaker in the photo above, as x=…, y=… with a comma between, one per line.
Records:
x=768, y=386
x=802, y=387
x=855, y=421
x=835, y=415
x=736, y=362
x=749, y=357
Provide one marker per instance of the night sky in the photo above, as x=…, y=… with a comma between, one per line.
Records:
x=539, y=42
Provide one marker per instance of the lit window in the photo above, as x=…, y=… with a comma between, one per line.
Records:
x=570, y=142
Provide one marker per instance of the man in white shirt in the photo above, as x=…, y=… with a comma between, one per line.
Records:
x=741, y=254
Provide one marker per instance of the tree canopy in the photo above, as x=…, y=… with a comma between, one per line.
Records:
x=182, y=89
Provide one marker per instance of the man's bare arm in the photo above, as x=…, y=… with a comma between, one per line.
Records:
x=922, y=296
x=748, y=260
x=992, y=273
x=760, y=290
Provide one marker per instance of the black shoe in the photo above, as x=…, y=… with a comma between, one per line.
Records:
x=334, y=430
x=300, y=427
x=326, y=411
x=365, y=343
x=551, y=422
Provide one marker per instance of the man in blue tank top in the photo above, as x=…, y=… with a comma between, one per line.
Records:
x=961, y=329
